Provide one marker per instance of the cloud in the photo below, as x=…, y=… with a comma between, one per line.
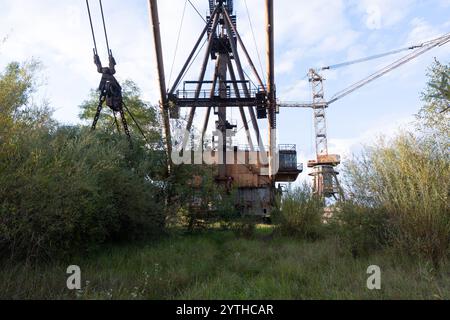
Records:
x=384, y=127
x=303, y=29
x=373, y=20
x=421, y=31
x=58, y=33
x=378, y=14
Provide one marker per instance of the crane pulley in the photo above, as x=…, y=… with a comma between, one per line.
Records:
x=109, y=88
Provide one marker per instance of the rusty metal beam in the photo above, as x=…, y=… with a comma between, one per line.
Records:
x=217, y=102
x=201, y=78
x=271, y=115
x=153, y=9
x=241, y=109
x=270, y=48
x=208, y=112
x=229, y=26
x=191, y=55
x=244, y=49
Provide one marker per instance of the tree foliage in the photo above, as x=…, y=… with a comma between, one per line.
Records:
x=435, y=115
x=404, y=183
x=18, y=82
x=67, y=189
x=301, y=213
x=145, y=114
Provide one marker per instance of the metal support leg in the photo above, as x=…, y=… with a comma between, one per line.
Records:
x=208, y=112
x=241, y=109
x=99, y=111
x=244, y=86
x=201, y=78
x=244, y=49
x=191, y=55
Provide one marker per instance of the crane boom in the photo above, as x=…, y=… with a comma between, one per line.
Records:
x=301, y=105
x=378, y=56
x=420, y=51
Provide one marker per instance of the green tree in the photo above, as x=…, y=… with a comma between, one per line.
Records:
x=65, y=189
x=434, y=115
x=402, y=185
x=18, y=111
x=17, y=84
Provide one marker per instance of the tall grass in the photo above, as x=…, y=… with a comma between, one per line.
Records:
x=217, y=265
x=360, y=230
x=301, y=213
x=407, y=178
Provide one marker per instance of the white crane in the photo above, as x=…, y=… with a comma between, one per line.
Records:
x=326, y=183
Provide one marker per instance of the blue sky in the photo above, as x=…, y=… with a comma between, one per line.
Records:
x=308, y=34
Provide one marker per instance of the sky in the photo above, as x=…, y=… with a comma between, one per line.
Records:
x=307, y=34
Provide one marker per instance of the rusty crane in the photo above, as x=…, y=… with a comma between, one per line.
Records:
x=229, y=87
x=255, y=169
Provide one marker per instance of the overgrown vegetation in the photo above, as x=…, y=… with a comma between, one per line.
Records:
x=217, y=265
x=407, y=181
x=301, y=214
x=68, y=191
x=399, y=188
x=65, y=190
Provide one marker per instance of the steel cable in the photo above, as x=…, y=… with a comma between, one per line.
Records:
x=104, y=27
x=92, y=27
x=178, y=43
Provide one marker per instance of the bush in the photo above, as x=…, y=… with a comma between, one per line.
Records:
x=360, y=229
x=409, y=180
x=244, y=227
x=67, y=190
x=301, y=214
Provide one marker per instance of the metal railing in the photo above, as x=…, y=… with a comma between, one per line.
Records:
x=206, y=94
x=287, y=147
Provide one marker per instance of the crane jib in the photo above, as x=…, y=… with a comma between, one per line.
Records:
x=421, y=49
x=442, y=40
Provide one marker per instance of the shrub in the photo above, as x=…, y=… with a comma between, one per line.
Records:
x=70, y=190
x=301, y=214
x=244, y=227
x=408, y=179
x=360, y=229
x=66, y=189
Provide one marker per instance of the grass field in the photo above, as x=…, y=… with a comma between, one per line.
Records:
x=218, y=265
